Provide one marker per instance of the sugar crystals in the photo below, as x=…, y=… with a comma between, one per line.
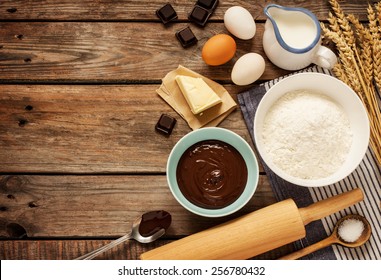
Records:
x=350, y=230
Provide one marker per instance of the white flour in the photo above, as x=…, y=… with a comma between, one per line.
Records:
x=307, y=135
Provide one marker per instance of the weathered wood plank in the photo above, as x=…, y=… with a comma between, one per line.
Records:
x=71, y=249
x=145, y=10
x=110, y=52
x=87, y=129
x=102, y=130
x=94, y=206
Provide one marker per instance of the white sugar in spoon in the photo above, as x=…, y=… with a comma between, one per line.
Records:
x=335, y=238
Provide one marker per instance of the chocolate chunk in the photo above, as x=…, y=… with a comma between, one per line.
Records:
x=207, y=4
x=199, y=15
x=166, y=13
x=165, y=124
x=186, y=37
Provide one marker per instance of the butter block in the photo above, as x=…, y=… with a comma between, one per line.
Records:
x=197, y=93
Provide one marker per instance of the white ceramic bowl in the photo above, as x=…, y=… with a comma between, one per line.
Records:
x=342, y=95
x=226, y=136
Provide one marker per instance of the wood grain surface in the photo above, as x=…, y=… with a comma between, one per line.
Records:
x=71, y=249
x=86, y=128
x=124, y=10
x=102, y=205
x=79, y=156
x=110, y=52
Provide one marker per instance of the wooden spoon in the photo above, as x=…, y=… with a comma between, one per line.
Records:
x=334, y=238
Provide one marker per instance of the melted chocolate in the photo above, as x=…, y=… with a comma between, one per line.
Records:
x=154, y=221
x=211, y=174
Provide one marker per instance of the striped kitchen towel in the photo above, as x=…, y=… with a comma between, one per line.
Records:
x=367, y=176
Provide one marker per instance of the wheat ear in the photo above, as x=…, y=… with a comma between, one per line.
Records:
x=343, y=23
x=377, y=46
x=346, y=57
x=365, y=41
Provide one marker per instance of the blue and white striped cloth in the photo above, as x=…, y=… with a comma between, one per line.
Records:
x=367, y=176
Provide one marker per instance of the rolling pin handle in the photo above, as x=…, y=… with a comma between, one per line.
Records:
x=310, y=249
x=330, y=205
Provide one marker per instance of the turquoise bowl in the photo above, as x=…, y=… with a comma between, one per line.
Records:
x=227, y=136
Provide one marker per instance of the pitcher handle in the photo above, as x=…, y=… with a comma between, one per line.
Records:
x=325, y=58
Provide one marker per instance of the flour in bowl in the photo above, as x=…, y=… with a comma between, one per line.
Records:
x=307, y=134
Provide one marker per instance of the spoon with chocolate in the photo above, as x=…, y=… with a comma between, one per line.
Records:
x=147, y=228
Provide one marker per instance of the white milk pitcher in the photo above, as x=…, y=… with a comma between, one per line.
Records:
x=292, y=39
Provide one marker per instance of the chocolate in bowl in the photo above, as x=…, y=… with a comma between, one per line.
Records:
x=230, y=203
x=211, y=174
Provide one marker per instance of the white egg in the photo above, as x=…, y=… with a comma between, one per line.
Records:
x=247, y=69
x=240, y=22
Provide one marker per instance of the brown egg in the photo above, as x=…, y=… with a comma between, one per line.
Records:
x=219, y=49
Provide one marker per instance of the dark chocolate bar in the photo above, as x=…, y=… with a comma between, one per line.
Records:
x=186, y=37
x=207, y=4
x=199, y=15
x=202, y=10
x=165, y=124
x=166, y=13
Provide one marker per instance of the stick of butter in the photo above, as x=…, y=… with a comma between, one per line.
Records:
x=197, y=93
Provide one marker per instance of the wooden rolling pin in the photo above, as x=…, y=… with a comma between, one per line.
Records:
x=254, y=233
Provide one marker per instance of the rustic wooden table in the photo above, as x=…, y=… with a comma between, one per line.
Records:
x=79, y=155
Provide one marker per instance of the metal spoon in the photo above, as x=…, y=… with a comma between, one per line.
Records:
x=334, y=238
x=146, y=224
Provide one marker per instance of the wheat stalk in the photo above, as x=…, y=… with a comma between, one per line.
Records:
x=364, y=43
x=343, y=22
x=347, y=58
x=377, y=48
x=377, y=62
x=372, y=22
x=378, y=18
x=339, y=72
x=359, y=64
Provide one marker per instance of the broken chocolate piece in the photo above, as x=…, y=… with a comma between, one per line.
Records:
x=202, y=10
x=166, y=13
x=186, y=37
x=207, y=4
x=199, y=15
x=165, y=124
